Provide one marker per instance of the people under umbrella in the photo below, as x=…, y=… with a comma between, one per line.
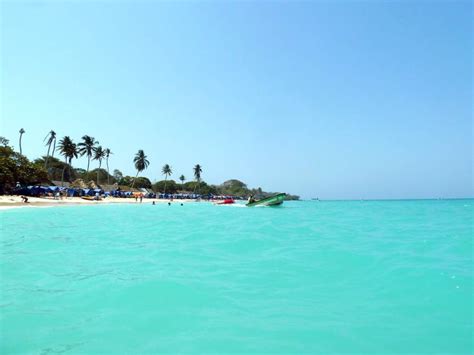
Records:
x=59, y=192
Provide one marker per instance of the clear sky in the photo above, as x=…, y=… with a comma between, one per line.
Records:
x=338, y=99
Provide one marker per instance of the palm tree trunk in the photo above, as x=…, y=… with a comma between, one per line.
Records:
x=100, y=164
x=133, y=182
x=69, y=168
x=166, y=178
x=88, y=162
x=47, y=156
x=108, y=175
x=20, y=144
x=54, y=148
x=64, y=169
x=196, y=185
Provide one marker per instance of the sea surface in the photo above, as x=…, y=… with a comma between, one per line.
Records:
x=314, y=276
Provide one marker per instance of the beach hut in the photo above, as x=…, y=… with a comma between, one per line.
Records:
x=92, y=185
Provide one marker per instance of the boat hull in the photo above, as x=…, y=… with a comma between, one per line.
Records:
x=90, y=198
x=225, y=202
x=274, y=200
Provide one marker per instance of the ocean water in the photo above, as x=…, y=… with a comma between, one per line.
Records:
x=318, y=277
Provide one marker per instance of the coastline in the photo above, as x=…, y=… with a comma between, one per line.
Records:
x=10, y=202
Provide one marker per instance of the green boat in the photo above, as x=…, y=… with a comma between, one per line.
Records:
x=274, y=200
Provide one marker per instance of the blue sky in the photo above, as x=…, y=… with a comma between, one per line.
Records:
x=321, y=99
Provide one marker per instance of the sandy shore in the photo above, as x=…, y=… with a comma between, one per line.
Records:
x=7, y=202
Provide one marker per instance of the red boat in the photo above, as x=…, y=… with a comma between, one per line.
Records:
x=225, y=202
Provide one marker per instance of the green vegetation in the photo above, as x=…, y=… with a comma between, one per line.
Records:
x=56, y=167
x=197, y=175
x=237, y=188
x=141, y=163
x=118, y=175
x=166, y=172
x=141, y=181
x=87, y=147
x=22, y=131
x=99, y=154
x=98, y=174
x=107, y=154
x=169, y=186
x=4, y=141
x=50, y=139
x=69, y=150
x=16, y=168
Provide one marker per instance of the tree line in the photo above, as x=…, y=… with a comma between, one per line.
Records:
x=16, y=168
x=69, y=150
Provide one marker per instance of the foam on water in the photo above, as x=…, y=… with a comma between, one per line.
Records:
x=371, y=276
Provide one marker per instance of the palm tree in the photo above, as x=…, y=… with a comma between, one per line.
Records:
x=69, y=150
x=50, y=137
x=87, y=147
x=3, y=141
x=21, y=134
x=73, y=153
x=166, y=172
x=107, y=154
x=99, y=154
x=141, y=163
x=182, y=178
x=197, y=174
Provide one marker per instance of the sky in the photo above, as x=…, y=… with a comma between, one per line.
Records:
x=335, y=100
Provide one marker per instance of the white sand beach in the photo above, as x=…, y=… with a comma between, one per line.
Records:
x=10, y=201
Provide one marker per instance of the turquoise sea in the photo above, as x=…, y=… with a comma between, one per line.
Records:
x=314, y=276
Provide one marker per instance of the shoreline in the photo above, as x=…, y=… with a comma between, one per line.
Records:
x=10, y=202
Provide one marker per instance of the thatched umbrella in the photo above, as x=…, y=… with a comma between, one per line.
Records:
x=78, y=183
x=92, y=185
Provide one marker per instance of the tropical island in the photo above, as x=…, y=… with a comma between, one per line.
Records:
x=17, y=172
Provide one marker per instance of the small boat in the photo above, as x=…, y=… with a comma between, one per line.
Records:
x=90, y=198
x=226, y=202
x=274, y=200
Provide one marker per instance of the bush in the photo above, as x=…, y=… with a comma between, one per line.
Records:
x=142, y=181
x=171, y=186
x=55, y=169
x=92, y=175
x=15, y=167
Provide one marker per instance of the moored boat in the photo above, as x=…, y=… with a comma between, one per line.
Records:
x=274, y=200
x=228, y=201
x=91, y=198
